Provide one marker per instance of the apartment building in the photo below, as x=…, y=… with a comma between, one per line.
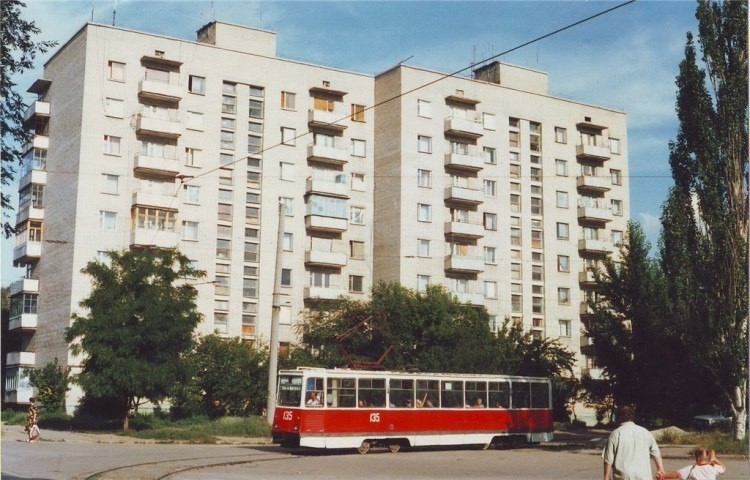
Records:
x=488, y=185
x=144, y=141
x=502, y=193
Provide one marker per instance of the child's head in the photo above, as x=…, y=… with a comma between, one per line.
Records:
x=702, y=454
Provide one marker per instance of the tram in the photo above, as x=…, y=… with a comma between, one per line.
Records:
x=341, y=408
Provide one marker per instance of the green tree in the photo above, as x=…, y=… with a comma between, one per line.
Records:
x=18, y=50
x=704, y=242
x=229, y=377
x=52, y=382
x=138, y=325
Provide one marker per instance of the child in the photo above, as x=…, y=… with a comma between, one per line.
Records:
x=706, y=467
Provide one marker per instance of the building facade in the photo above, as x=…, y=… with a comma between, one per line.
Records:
x=488, y=185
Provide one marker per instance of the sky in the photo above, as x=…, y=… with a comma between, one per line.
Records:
x=626, y=59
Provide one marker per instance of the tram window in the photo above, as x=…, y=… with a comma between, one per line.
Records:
x=499, y=395
x=371, y=392
x=402, y=393
x=427, y=393
x=476, y=394
x=540, y=395
x=521, y=397
x=342, y=392
x=452, y=394
x=290, y=390
x=314, y=392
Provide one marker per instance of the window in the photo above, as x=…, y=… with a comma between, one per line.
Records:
x=561, y=135
x=514, y=122
x=515, y=236
x=617, y=207
x=323, y=104
x=423, y=281
x=535, y=174
x=228, y=104
x=514, y=157
x=358, y=181
x=424, y=108
x=616, y=236
x=359, y=148
x=286, y=277
x=616, y=176
x=250, y=287
x=226, y=159
x=424, y=212
x=116, y=71
x=197, y=85
x=490, y=221
x=537, y=239
x=192, y=156
x=223, y=249
x=514, y=171
x=191, y=194
x=111, y=145
x=227, y=140
x=107, y=221
x=490, y=289
x=288, y=136
x=563, y=296
x=327, y=206
x=536, y=206
x=255, y=127
x=254, y=91
x=563, y=231
x=423, y=247
x=111, y=184
x=357, y=249
x=614, y=145
x=564, y=328
x=358, y=113
x=490, y=188
x=460, y=148
x=424, y=144
x=515, y=203
x=114, y=107
x=535, y=136
x=189, y=230
x=288, y=100
x=513, y=139
x=561, y=168
x=562, y=199
x=537, y=304
x=563, y=263
x=515, y=271
x=357, y=215
x=286, y=171
x=490, y=256
x=251, y=252
x=149, y=218
x=424, y=178
x=488, y=121
x=288, y=242
x=537, y=273
x=255, y=109
x=516, y=303
x=490, y=155
x=356, y=283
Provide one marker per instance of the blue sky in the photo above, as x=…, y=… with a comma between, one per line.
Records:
x=626, y=59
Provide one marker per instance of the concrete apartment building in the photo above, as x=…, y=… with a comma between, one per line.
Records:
x=487, y=185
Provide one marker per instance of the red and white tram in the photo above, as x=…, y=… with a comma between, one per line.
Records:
x=339, y=408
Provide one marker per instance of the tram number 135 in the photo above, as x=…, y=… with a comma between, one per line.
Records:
x=374, y=418
x=287, y=415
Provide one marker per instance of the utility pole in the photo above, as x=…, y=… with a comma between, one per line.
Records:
x=273, y=360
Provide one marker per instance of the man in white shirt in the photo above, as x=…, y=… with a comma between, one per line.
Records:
x=629, y=450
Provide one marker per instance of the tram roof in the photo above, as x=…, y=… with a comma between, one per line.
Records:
x=381, y=373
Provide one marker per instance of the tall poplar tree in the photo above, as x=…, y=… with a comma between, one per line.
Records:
x=704, y=244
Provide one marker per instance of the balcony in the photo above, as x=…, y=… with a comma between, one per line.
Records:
x=594, y=373
x=23, y=322
x=319, y=258
x=585, y=311
x=329, y=155
x=38, y=177
x=326, y=120
x=586, y=277
x=13, y=359
x=593, y=152
x=463, y=264
x=323, y=293
x=159, y=91
x=39, y=141
x=464, y=230
x=463, y=195
x=334, y=188
x=593, y=183
x=158, y=127
x=36, y=110
x=595, y=246
x=169, y=167
x=463, y=127
x=466, y=162
x=25, y=285
x=27, y=252
x=29, y=212
x=594, y=213
x=143, y=237
x=148, y=199
x=326, y=224
x=476, y=299
x=587, y=345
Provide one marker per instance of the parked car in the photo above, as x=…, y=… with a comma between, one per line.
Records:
x=713, y=421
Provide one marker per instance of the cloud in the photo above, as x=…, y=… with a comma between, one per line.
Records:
x=651, y=227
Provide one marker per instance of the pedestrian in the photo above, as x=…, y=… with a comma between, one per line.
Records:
x=31, y=427
x=629, y=450
x=706, y=467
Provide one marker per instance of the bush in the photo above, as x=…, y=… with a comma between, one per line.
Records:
x=13, y=417
x=55, y=420
x=723, y=443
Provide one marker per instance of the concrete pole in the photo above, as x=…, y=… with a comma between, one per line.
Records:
x=273, y=360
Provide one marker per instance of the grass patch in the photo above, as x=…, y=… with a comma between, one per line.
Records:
x=13, y=417
x=722, y=442
x=197, y=430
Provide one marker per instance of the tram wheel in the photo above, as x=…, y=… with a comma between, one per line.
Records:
x=394, y=447
x=364, y=447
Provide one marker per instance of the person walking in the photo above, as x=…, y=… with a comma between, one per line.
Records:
x=630, y=449
x=32, y=418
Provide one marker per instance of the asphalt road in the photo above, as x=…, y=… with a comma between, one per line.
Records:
x=65, y=456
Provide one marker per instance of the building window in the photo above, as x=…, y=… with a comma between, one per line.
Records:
x=562, y=199
x=357, y=215
x=514, y=122
x=251, y=251
x=192, y=156
x=614, y=145
x=250, y=287
x=223, y=249
x=191, y=194
x=254, y=91
x=358, y=113
x=515, y=271
x=561, y=168
x=356, y=249
x=516, y=303
x=286, y=277
x=359, y=148
x=189, y=230
x=490, y=221
x=288, y=136
x=197, y=85
x=490, y=289
x=358, y=182
x=515, y=203
x=537, y=240
x=564, y=328
x=194, y=121
x=617, y=207
x=356, y=283
x=563, y=263
x=616, y=176
x=536, y=206
x=424, y=108
x=111, y=145
x=515, y=236
x=563, y=231
x=424, y=144
x=424, y=178
x=114, y=107
x=490, y=155
x=288, y=100
x=535, y=174
x=227, y=140
x=513, y=139
x=116, y=71
x=423, y=247
x=616, y=236
x=563, y=296
x=537, y=304
x=423, y=281
x=111, y=186
x=424, y=212
x=288, y=242
x=490, y=188
x=561, y=135
x=323, y=104
x=286, y=171
x=107, y=221
x=228, y=104
x=255, y=109
x=488, y=121
x=537, y=273
x=535, y=136
x=490, y=256
x=514, y=171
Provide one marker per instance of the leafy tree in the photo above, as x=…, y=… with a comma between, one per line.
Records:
x=230, y=377
x=140, y=318
x=52, y=382
x=704, y=242
x=18, y=50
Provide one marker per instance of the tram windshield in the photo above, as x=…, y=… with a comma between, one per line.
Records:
x=290, y=390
